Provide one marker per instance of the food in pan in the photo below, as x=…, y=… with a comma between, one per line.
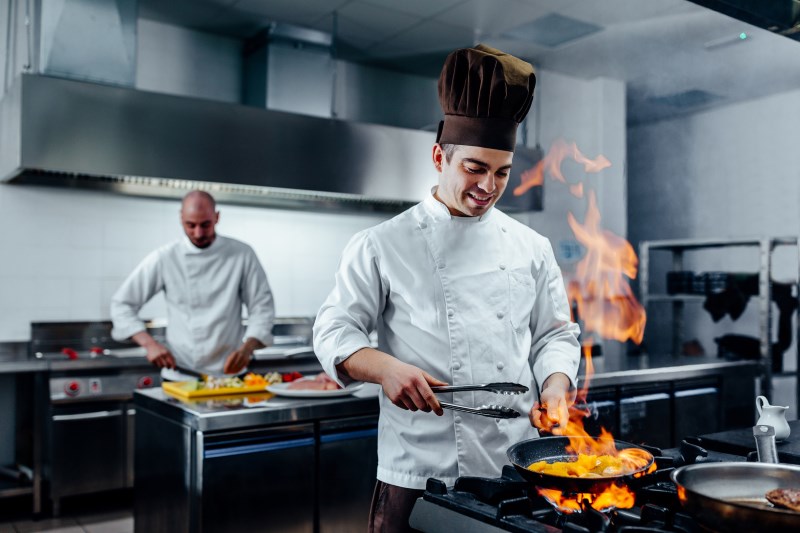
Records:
x=584, y=466
x=786, y=498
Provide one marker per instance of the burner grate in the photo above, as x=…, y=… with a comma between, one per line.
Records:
x=509, y=503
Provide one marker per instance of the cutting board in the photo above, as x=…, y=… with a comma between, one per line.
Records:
x=742, y=442
x=187, y=389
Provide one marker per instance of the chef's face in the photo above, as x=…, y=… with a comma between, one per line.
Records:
x=198, y=219
x=473, y=180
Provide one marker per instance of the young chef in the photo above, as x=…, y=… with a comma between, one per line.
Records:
x=205, y=278
x=460, y=293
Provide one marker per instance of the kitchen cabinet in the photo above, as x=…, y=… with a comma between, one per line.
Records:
x=663, y=413
x=698, y=408
x=258, y=480
x=87, y=460
x=645, y=414
x=302, y=466
x=348, y=461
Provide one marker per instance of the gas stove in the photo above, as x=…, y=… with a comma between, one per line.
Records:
x=509, y=503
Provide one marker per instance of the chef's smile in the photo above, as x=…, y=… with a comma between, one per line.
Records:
x=481, y=200
x=471, y=178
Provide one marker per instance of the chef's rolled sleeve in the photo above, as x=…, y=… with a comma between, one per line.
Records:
x=351, y=310
x=141, y=285
x=554, y=342
x=257, y=297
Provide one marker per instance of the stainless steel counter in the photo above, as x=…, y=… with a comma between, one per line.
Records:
x=238, y=411
x=630, y=370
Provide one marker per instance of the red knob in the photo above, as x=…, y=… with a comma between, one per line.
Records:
x=146, y=381
x=72, y=388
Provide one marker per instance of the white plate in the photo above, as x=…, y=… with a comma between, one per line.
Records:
x=282, y=389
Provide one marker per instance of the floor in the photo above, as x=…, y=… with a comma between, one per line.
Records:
x=101, y=513
x=115, y=522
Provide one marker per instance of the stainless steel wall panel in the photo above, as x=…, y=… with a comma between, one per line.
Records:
x=89, y=40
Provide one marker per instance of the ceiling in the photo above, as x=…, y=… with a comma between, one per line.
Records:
x=675, y=56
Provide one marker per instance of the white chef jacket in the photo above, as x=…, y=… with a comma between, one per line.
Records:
x=468, y=300
x=204, y=289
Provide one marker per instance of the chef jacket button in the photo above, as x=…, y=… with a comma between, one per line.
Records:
x=450, y=312
x=504, y=229
x=440, y=266
x=500, y=365
x=456, y=365
x=500, y=314
x=502, y=266
x=422, y=225
x=457, y=419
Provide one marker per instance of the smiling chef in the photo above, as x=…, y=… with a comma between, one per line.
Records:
x=461, y=293
x=206, y=278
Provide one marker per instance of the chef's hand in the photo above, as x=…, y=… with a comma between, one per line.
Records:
x=409, y=387
x=157, y=353
x=160, y=356
x=239, y=359
x=551, y=412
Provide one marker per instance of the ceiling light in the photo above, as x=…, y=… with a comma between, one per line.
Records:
x=727, y=40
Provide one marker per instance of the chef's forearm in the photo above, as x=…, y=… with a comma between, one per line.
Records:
x=367, y=364
x=143, y=339
x=558, y=379
x=251, y=344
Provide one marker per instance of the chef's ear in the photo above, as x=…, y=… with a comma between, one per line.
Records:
x=438, y=157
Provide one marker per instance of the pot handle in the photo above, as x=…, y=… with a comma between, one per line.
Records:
x=765, y=444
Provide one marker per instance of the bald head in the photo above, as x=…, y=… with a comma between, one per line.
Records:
x=199, y=216
x=198, y=200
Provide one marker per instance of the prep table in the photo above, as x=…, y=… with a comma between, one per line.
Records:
x=254, y=462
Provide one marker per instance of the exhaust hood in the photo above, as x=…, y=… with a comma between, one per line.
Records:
x=71, y=133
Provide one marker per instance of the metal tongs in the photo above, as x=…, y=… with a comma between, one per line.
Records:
x=490, y=410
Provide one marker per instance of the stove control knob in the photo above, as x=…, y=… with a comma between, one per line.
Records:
x=72, y=388
x=145, y=382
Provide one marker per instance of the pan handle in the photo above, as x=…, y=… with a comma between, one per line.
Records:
x=765, y=444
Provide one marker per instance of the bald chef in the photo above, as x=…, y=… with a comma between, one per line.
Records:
x=460, y=293
x=205, y=278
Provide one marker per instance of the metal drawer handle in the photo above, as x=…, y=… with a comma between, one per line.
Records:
x=87, y=416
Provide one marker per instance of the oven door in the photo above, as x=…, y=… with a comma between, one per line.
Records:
x=87, y=448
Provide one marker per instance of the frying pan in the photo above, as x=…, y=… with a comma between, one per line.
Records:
x=553, y=449
x=729, y=497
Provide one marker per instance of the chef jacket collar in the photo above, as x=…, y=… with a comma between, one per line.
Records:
x=190, y=248
x=438, y=211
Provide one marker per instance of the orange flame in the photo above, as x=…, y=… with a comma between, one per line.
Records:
x=608, y=307
x=613, y=496
x=604, y=298
x=580, y=442
x=551, y=163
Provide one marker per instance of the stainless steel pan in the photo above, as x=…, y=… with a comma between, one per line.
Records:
x=730, y=497
x=554, y=449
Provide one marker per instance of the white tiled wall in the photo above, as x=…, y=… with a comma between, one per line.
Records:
x=65, y=252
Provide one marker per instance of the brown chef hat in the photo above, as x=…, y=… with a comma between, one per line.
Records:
x=485, y=94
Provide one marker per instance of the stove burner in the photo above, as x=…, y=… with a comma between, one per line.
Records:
x=509, y=503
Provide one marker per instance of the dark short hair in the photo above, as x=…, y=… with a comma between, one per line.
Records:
x=449, y=150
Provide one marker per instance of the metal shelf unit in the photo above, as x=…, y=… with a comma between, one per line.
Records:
x=765, y=247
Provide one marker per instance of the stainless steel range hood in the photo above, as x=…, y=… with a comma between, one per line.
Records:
x=75, y=134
